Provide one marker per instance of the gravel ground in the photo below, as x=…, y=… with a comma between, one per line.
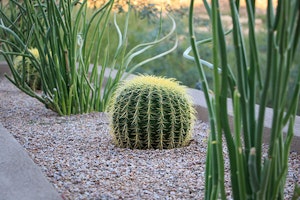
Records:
x=77, y=156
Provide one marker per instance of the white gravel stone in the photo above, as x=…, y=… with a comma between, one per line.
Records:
x=78, y=157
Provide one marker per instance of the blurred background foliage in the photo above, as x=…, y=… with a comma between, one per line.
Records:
x=183, y=70
x=146, y=17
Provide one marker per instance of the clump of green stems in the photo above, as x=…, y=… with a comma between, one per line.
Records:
x=71, y=51
x=253, y=176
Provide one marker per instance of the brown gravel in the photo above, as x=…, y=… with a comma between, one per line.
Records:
x=77, y=156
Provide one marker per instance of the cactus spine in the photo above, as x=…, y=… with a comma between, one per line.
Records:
x=151, y=112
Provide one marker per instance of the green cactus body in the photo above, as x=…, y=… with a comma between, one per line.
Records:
x=28, y=71
x=151, y=112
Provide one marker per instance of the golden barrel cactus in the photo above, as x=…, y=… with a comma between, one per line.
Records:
x=151, y=112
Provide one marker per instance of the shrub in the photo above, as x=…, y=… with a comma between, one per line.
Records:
x=73, y=41
x=253, y=174
x=151, y=112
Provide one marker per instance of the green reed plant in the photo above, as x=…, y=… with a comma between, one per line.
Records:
x=253, y=176
x=71, y=50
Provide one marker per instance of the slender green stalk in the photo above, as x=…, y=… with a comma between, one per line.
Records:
x=239, y=161
x=211, y=176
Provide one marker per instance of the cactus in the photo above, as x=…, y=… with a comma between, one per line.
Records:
x=151, y=112
x=25, y=68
